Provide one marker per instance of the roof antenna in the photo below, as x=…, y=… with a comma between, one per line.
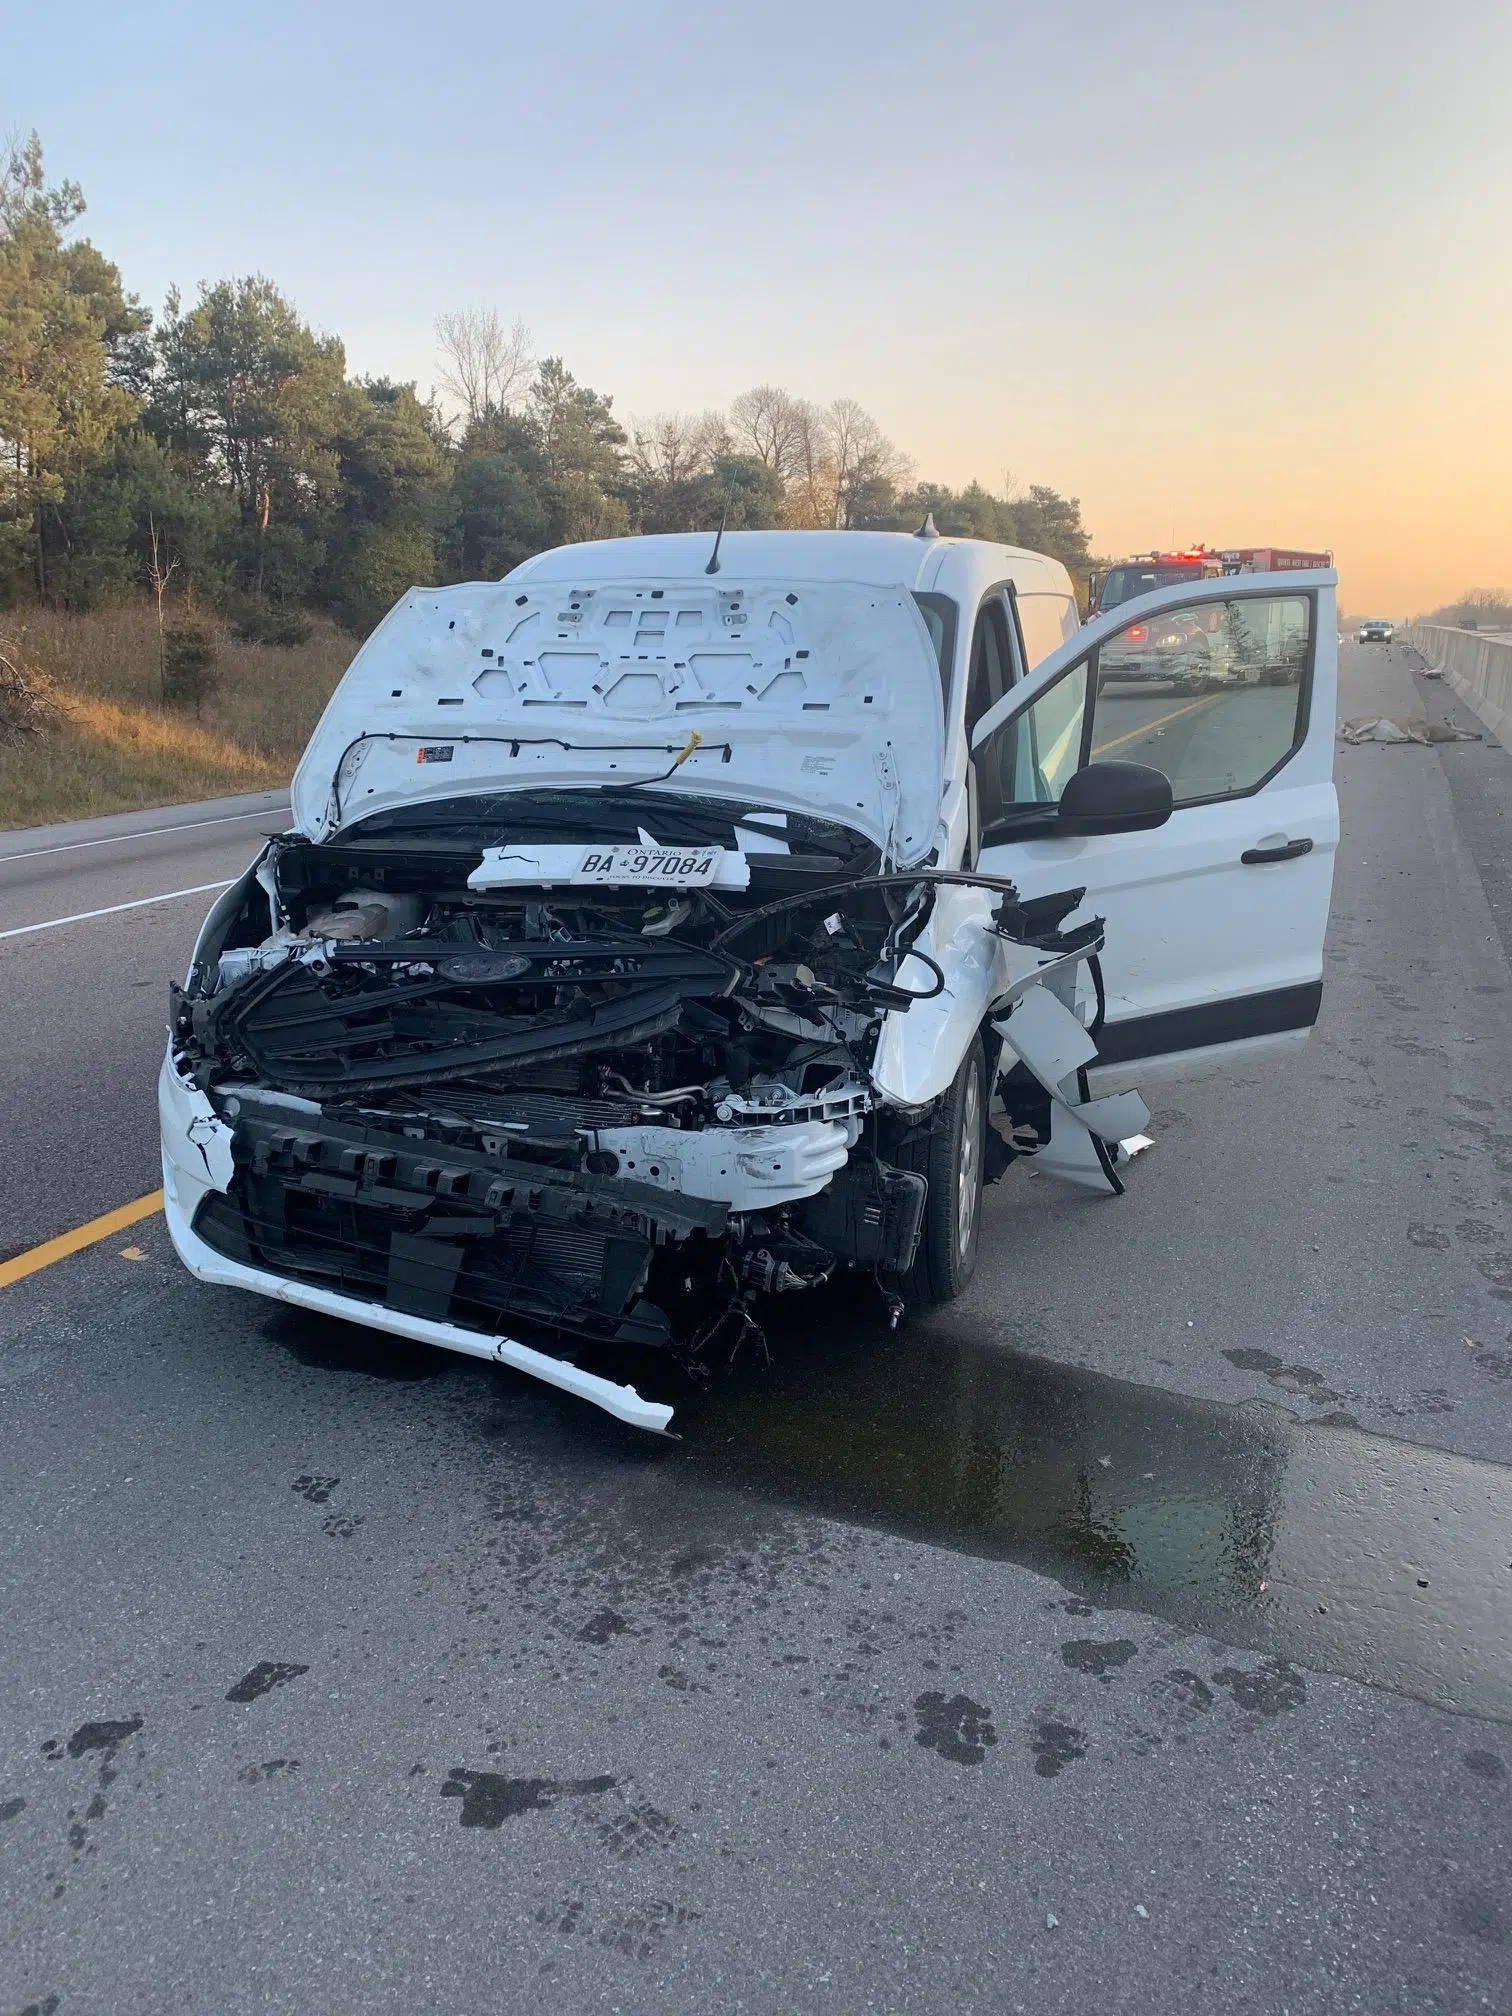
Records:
x=724, y=519
x=928, y=529
x=713, y=566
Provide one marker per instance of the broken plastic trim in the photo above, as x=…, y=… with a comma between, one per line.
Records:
x=907, y=878
x=623, y=1402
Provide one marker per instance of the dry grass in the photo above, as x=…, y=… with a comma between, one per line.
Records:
x=105, y=743
x=267, y=699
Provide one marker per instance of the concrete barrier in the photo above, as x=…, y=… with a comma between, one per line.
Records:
x=1478, y=668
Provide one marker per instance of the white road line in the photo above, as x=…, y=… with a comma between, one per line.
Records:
x=140, y=903
x=150, y=833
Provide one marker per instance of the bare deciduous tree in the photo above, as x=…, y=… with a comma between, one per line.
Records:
x=766, y=423
x=864, y=461
x=158, y=577
x=842, y=466
x=809, y=493
x=483, y=364
x=673, y=448
x=665, y=448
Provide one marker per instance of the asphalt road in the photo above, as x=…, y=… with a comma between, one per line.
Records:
x=1206, y=742
x=1135, y=1635
x=85, y=1005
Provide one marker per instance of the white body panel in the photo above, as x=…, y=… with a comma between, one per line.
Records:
x=808, y=697
x=921, y=1047
x=748, y=1168
x=1190, y=925
x=1187, y=923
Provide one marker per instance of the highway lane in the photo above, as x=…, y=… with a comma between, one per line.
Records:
x=85, y=1004
x=925, y=1673
x=59, y=871
x=1206, y=742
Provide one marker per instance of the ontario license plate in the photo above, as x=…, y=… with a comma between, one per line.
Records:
x=655, y=867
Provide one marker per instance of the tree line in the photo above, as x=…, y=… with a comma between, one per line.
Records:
x=221, y=450
x=1476, y=609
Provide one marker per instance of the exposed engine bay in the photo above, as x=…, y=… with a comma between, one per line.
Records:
x=513, y=1059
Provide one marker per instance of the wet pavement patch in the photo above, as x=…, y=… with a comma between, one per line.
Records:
x=264, y=1677
x=602, y=1626
x=1273, y=1687
x=1479, y=1914
x=259, y=1774
x=959, y=1729
x=1314, y=1543
x=1055, y=1745
x=1191, y=1689
x=1099, y=1657
x=1289, y=1378
x=489, y=1799
x=106, y=1736
x=637, y=1831
x=323, y=1344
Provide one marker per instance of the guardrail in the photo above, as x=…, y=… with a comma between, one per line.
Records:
x=1478, y=668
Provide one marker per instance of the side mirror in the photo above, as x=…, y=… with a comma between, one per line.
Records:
x=1114, y=798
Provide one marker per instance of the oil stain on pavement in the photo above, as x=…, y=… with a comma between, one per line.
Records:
x=489, y=1799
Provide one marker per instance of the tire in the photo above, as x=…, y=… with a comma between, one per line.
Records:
x=951, y=1155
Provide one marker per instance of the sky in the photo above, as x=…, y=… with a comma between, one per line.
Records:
x=1227, y=272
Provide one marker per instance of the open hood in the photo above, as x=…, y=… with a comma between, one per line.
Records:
x=805, y=697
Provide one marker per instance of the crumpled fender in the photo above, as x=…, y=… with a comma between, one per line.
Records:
x=1052, y=1045
x=920, y=1047
x=196, y=1141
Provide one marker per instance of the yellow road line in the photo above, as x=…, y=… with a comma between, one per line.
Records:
x=1102, y=748
x=81, y=1236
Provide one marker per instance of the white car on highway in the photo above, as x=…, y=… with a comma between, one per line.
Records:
x=674, y=925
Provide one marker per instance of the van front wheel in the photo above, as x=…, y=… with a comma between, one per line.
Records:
x=951, y=1156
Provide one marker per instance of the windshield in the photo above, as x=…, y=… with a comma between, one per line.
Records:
x=939, y=614
x=1122, y=583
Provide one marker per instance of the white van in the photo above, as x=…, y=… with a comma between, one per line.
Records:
x=675, y=923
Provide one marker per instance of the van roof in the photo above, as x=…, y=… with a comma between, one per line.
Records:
x=885, y=559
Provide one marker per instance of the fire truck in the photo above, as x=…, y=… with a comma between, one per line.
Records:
x=1170, y=651
x=1143, y=571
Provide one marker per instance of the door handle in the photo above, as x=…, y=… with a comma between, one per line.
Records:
x=1288, y=850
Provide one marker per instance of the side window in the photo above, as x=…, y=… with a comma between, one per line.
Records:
x=988, y=678
x=1044, y=618
x=1029, y=759
x=940, y=615
x=1213, y=695
x=991, y=670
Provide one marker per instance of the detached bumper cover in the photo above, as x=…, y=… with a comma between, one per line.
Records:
x=202, y=1260
x=198, y=1175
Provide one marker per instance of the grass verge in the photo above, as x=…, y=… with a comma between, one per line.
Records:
x=98, y=740
x=94, y=757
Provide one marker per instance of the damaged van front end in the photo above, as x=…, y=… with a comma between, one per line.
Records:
x=614, y=1114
